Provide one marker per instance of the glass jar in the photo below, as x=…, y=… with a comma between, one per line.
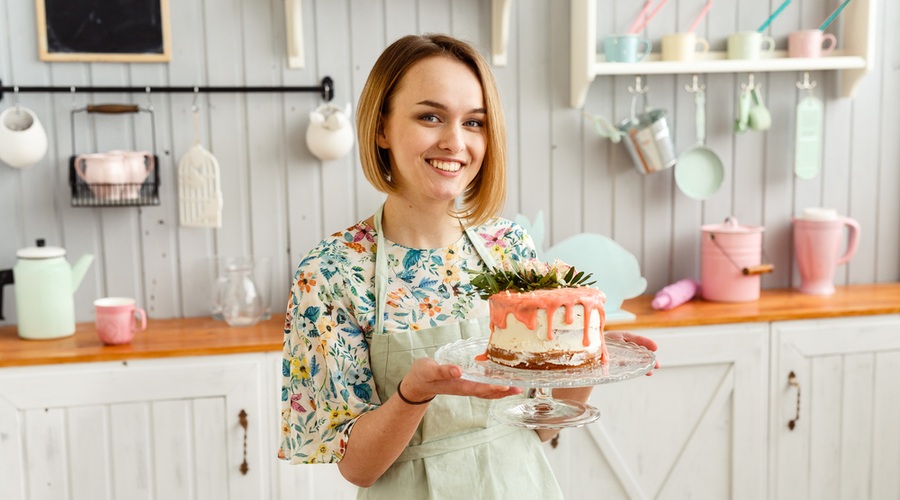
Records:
x=242, y=303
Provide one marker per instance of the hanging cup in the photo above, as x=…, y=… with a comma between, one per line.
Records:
x=23, y=141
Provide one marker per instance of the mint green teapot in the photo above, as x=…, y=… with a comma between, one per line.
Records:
x=45, y=287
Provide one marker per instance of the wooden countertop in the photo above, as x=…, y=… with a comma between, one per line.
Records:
x=205, y=336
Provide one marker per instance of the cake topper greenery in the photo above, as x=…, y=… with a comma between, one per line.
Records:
x=526, y=276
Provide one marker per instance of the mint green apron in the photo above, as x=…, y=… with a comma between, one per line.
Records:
x=456, y=452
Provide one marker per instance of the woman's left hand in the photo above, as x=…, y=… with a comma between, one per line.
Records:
x=636, y=339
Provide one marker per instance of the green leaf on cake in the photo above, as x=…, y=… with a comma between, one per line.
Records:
x=527, y=276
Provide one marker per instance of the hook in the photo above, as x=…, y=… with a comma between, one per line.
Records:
x=149, y=100
x=639, y=87
x=16, y=98
x=806, y=84
x=194, y=106
x=74, y=102
x=751, y=84
x=695, y=86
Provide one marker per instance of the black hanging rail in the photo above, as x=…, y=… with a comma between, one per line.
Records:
x=326, y=89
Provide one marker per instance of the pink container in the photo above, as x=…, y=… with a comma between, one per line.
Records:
x=818, y=235
x=731, y=262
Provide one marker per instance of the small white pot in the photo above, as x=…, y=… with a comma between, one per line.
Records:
x=23, y=141
x=330, y=134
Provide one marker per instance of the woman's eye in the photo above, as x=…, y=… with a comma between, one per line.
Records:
x=474, y=123
x=429, y=118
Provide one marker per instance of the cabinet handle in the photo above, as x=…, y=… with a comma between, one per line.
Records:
x=243, y=419
x=792, y=380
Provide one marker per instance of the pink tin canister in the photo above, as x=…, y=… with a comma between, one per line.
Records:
x=731, y=262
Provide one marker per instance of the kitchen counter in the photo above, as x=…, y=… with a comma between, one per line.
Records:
x=205, y=336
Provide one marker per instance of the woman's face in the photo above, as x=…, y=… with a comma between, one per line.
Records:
x=435, y=131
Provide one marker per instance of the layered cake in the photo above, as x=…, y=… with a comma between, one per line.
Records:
x=544, y=324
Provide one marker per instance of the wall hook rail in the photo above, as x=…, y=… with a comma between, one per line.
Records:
x=326, y=89
x=806, y=84
x=639, y=86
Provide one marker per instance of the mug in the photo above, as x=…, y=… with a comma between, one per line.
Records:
x=104, y=173
x=116, y=319
x=626, y=48
x=810, y=43
x=683, y=46
x=137, y=166
x=23, y=141
x=749, y=45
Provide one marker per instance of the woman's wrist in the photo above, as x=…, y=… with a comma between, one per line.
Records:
x=413, y=398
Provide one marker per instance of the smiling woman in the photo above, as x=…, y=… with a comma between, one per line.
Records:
x=87, y=30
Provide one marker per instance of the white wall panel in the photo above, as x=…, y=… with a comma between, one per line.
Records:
x=280, y=200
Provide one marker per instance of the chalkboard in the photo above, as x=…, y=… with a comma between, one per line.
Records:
x=104, y=30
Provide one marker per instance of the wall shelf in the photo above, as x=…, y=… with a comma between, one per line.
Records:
x=853, y=60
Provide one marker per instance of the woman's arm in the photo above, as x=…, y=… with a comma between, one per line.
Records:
x=379, y=436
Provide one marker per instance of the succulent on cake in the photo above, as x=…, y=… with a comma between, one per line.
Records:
x=527, y=276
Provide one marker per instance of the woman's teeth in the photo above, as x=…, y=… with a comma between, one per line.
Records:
x=446, y=166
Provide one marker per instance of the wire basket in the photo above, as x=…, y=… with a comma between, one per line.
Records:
x=117, y=178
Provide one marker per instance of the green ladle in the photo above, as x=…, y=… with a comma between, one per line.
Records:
x=760, y=119
x=741, y=123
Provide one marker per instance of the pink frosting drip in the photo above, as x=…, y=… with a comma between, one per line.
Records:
x=524, y=306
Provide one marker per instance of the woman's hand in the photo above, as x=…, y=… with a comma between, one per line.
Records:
x=428, y=378
x=636, y=339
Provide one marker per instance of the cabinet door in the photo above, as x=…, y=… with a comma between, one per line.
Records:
x=844, y=400
x=138, y=430
x=696, y=428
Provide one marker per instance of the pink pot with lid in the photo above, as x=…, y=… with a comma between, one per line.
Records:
x=731, y=262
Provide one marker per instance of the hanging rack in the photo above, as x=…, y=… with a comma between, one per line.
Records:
x=695, y=85
x=326, y=89
x=639, y=87
x=806, y=84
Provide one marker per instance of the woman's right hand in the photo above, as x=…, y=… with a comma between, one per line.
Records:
x=428, y=378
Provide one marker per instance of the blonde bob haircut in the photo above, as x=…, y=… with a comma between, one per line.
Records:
x=484, y=197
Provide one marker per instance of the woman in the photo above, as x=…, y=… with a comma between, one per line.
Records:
x=370, y=305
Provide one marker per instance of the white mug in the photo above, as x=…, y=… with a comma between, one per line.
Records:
x=683, y=46
x=749, y=45
x=23, y=141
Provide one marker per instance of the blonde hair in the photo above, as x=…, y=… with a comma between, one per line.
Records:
x=484, y=197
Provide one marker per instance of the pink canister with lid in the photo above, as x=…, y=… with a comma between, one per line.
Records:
x=731, y=262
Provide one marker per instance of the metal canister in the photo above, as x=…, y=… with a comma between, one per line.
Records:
x=648, y=141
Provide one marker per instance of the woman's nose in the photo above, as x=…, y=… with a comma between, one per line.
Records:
x=452, y=139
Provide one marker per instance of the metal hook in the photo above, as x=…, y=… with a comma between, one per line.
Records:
x=149, y=100
x=639, y=87
x=74, y=102
x=806, y=84
x=695, y=86
x=751, y=84
x=16, y=98
x=194, y=106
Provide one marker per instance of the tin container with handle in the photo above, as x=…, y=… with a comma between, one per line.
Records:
x=731, y=262
x=648, y=141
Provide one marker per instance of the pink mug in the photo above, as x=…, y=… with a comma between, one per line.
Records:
x=116, y=319
x=818, y=234
x=137, y=165
x=810, y=43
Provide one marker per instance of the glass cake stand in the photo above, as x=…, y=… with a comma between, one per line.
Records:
x=626, y=360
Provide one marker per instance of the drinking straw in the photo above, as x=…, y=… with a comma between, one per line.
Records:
x=773, y=16
x=833, y=15
x=640, y=16
x=647, y=18
x=700, y=17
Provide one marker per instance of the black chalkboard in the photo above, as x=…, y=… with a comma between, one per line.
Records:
x=104, y=30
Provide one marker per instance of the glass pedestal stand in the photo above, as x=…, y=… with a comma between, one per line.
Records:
x=626, y=361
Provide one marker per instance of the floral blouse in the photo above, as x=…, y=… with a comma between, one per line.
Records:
x=327, y=378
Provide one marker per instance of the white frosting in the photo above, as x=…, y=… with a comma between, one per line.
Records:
x=517, y=337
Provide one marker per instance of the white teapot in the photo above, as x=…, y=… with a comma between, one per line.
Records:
x=330, y=133
x=23, y=141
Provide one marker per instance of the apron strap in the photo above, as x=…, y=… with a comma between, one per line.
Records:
x=454, y=443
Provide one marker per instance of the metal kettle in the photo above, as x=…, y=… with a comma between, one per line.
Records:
x=45, y=289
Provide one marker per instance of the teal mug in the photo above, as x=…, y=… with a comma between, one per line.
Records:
x=626, y=48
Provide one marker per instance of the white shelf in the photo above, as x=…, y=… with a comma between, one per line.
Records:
x=852, y=60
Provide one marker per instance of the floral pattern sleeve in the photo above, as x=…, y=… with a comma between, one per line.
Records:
x=327, y=382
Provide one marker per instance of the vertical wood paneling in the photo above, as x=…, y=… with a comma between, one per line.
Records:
x=824, y=453
x=856, y=426
x=132, y=450
x=12, y=459
x=88, y=448
x=170, y=422
x=45, y=454
x=280, y=200
x=886, y=441
x=210, y=454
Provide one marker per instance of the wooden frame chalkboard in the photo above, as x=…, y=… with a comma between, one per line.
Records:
x=104, y=30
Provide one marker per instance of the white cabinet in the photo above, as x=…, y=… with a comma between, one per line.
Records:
x=695, y=429
x=853, y=58
x=141, y=429
x=845, y=391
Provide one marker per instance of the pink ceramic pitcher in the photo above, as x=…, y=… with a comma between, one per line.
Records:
x=818, y=234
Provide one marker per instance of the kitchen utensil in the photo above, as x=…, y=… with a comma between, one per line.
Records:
x=699, y=18
x=23, y=140
x=116, y=319
x=683, y=46
x=759, y=118
x=818, y=234
x=199, y=188
x=45, y=287
x=833, y=15
x=810, y=43
x=808, y=137
x=648, y=141
x=672, y=296
x=138, y=165
x=731, y=261
x=744, y=103
x=104, y=174
x=604, y=127
x=699, y=171
x=219, y=270
x=773, y=16
x=645, y=17
x=329, y=135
